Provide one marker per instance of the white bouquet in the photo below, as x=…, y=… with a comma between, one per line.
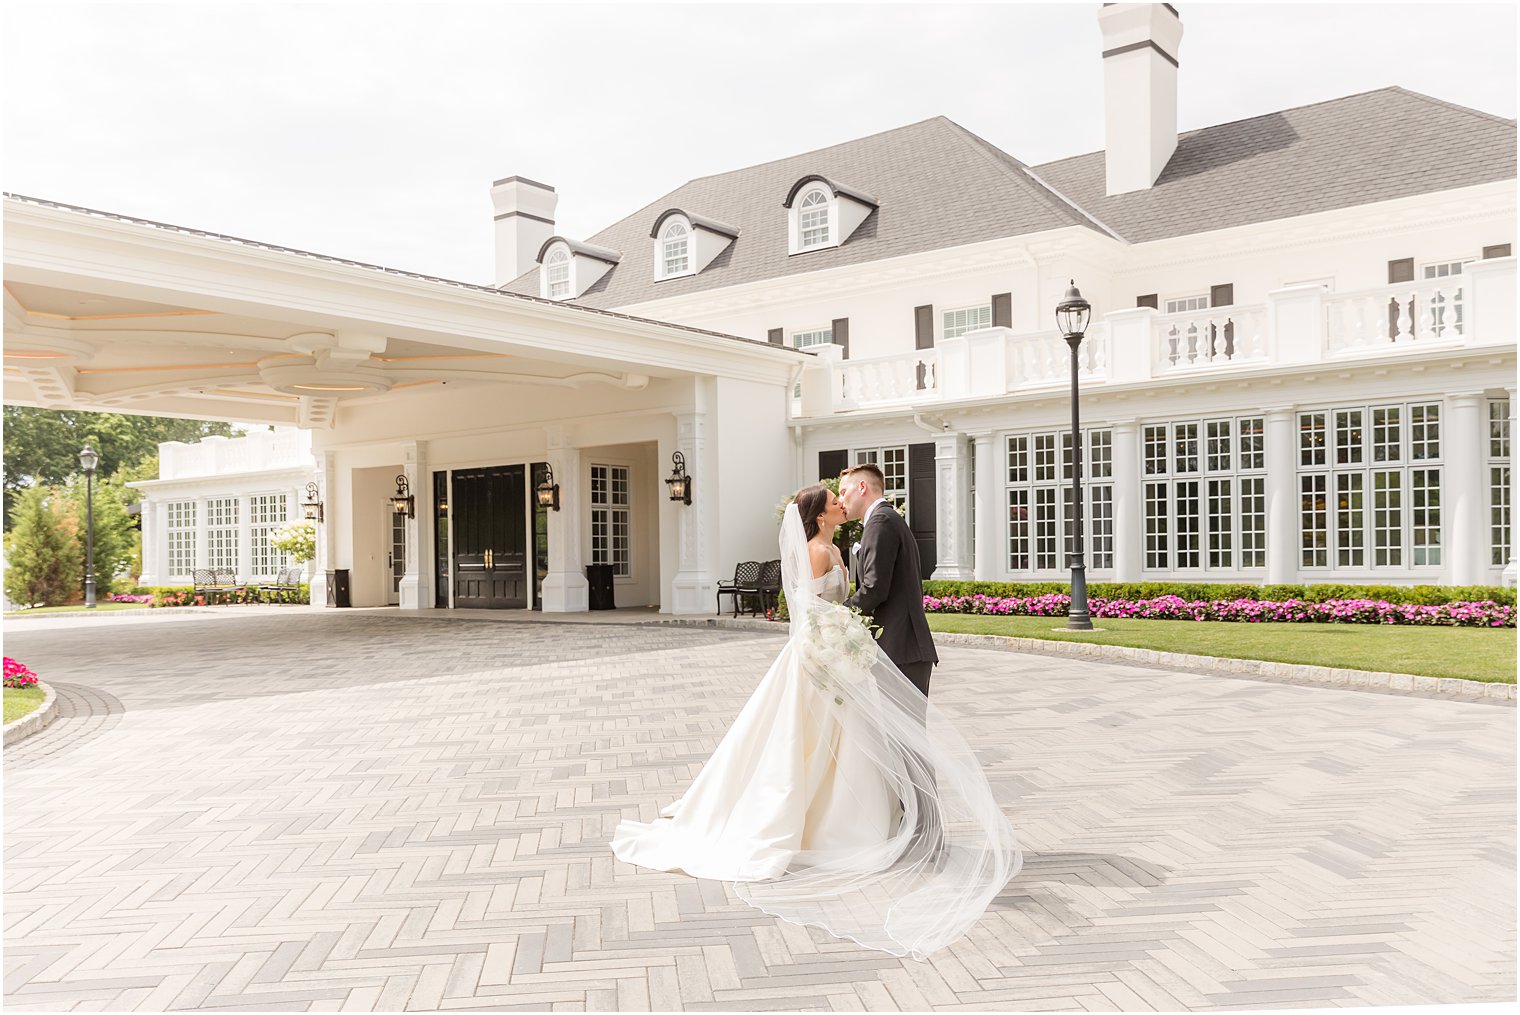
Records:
x=838, y=647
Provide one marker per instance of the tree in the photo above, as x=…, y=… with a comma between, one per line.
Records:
x=115, y=544
x=42, y=445
x=44, y=563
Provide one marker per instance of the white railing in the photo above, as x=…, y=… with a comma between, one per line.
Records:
x=1219, y=337
x=1041, y=359
x=1423, y=312
x=1298, y=326
x=887, y=379
x=255, y=451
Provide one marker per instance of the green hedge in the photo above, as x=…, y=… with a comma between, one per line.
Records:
x=1422, y=595
x=158, y=591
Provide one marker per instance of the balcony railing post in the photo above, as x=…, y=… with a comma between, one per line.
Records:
x=975, y=364
x=1131, y=344
x=822, y=386
x=1296, y=324
x=1488, y=302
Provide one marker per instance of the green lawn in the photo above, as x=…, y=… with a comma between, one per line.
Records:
x=35, y=611
x=21, y=700
x=1486, y=654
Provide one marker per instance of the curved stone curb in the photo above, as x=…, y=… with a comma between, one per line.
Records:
x=36, y=720
x=1260, y=669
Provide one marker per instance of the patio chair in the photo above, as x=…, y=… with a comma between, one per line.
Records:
x=286, y=585
x=746, y=582
x=768, y=588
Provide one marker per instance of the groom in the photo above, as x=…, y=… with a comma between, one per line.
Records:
x=890, y=587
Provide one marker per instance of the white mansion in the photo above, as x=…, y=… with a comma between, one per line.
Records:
x=1301, y=365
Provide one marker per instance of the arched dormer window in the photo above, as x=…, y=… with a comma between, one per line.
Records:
x=557, y=275
x=675, y=254
x=813, y=220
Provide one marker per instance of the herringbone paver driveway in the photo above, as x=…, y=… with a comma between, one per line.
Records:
x=328, y=811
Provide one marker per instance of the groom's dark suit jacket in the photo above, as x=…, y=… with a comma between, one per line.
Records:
x=891, y=588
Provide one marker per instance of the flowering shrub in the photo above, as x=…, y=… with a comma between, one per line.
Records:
x=118, y=597
x=1485, y=613
x=17, y=675
x=297, y=540
x=179, y=597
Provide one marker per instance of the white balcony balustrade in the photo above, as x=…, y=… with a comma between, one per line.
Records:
x=1200, y=339
x=1298, y=326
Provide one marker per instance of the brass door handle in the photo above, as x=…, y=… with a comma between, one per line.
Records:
x=488, y=558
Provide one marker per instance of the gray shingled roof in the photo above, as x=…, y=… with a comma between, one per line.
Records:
x=1375, y=146
x=941, y=186
x=937, y=185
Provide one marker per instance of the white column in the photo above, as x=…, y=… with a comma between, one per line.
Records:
x=416, y=588
x=1128, y=504
x=1284, y=534
x=952, y=467
x=1510, y=569
x=565, y=588
x=327, y=469
x=154, y=545
x=988, y=550
x=697, y=523
x=1464, y=448
x=202, y=532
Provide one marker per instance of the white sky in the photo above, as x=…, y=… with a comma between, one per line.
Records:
x=374, y=131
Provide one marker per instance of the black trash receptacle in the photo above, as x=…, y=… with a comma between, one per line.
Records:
x=599, y=578
x=337, y=587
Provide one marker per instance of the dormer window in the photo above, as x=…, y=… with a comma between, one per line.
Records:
x=557, y=275
x=822, y=213
x=685, y=244
x=567, y=268
x=813, y=221
x=674, y=255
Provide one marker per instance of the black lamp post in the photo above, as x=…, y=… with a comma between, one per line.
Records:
x=1072, y=315
x=88, y=459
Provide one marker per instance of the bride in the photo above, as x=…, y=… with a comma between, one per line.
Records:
x=840, y=798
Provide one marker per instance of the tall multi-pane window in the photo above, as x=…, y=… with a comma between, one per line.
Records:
x=673, y=250
x=893, y=463
x=958, y=322
x=180, y=530
x=266, y=512
x=1204, y=494
x=1500, y=545
x=1370, y=486
x=813, y=221
x=611, y=533
x=557, y=275
x=1041, y=533
x=222, y=532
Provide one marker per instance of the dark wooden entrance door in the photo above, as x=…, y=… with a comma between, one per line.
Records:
x=490, y=538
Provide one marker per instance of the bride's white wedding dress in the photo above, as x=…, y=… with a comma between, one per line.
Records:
x=840, y=797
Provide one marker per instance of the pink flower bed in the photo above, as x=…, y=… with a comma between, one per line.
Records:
x=120, y=598
x=1251, y=611
x=17, y=675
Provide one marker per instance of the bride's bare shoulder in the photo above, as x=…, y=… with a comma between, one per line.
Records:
x=821, y=556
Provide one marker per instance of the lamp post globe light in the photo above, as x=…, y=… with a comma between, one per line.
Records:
x=88, y=459
x=1072, y=315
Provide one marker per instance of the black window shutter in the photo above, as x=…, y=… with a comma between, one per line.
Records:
x=842, y=335
x=1153, y=301
x=1498, y=250
x=922, y=498
x=832, y=463
x=923, y=327
x=1222, y=295
x=1002, y=310
x=1401, y=270
x=776, y=337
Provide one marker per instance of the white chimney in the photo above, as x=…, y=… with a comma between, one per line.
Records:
x=1140, y=43
x=524, y=221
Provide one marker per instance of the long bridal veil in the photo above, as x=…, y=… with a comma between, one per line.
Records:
x=949, y=852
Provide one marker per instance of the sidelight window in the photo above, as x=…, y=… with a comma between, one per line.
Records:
x=611, y=529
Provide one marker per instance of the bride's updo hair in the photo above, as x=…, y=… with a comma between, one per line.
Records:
x=811, y=502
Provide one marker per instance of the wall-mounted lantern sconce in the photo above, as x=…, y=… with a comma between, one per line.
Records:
x=404, y=503
x=679, y=482
x=312, y=506
x=548, y=490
